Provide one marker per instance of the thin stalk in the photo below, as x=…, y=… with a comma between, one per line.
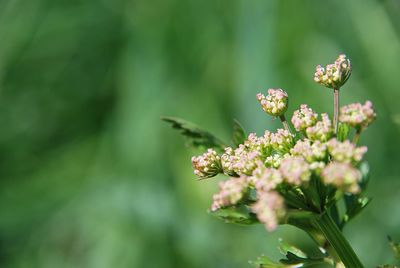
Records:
x=338, y=241
x=357, y=136
x=285, y=123
x=336, y=109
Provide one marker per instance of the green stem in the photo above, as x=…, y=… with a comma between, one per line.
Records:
x=338, y=241
x=285, y=123
x=336, y=109
x=357, y=136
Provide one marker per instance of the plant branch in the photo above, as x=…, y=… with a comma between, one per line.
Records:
x=337, y=241
x=336, y=109
x=285, y=123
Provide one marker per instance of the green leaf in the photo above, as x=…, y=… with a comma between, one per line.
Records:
x=197, y=137
x=295, y=256
x=364, y=169
x=265, y=262
x=236, y=214
x=395, y=247
x=343, y=131
x=239, y=134
x=354, y=205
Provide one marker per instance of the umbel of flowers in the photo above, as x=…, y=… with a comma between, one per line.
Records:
x=297, y=174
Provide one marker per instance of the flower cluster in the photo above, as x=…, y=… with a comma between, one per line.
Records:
x=275, y=103
x=207, y=165
x=334, y=75
x=357, y=115
x=282, y=162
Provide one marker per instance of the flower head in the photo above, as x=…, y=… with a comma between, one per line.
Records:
x=334, y=75
x=207, y=165
x=303, y=118
x=343, y=175
x=311, y=152
x=274, y=161
x=322, y=130
x=357, y=115
x=282, y=141
x=265, y=179
x=295, y=170
x=231, y=192
x=270, y=207
x=275, y=103
x=345, y=152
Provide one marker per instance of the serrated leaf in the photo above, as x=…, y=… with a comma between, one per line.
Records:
x=343, y=131
x=236, y=214
x=197, y=137
x=395, y=247
x=239, y=134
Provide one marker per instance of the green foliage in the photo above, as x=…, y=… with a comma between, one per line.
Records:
x=196, y=136
x=343, y=131
x=395, y=248
x=239, y=134
x=236, y=214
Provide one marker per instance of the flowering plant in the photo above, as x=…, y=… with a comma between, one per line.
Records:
x=296, y=175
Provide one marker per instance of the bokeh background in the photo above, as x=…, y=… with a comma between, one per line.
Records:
x=90, y=176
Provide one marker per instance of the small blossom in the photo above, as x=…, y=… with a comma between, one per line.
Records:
x=231, y=192
x=357, y=115
x=207, y=165
x=274, y=161
x=334, y=75
x=303, y=118
x=275, y=103
x=269, y=208
x=311, y=152
x=260, y=144
x=295, y=170
x=265, y=179
x=343, y=175
x=322, y=130
x=227, y=162
x=345, y=152
x=282, y=141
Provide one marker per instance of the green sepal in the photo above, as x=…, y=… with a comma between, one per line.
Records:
x=343, y=131
x=197, y=137
x=239, y=134
x=240, y=214
x=354, y=205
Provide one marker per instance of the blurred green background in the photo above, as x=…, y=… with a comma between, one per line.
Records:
x=90, y=176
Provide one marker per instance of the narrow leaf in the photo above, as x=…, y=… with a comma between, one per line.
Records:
x=239, y=134
x=197, y=137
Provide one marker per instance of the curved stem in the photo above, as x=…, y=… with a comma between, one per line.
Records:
x=336, y=108
x=285, y=123
x=357, y=136
x=338, y=241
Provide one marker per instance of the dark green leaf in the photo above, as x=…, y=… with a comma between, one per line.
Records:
x=295, y=256
x=236, y=214
x=354, y=205
x=239, y=134
x=364, y=168
x=196, y=136
x=343, y=131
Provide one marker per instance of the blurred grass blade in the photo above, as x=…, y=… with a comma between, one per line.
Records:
x=239, y=134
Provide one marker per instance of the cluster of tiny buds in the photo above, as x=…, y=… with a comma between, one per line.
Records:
x=343, y=176
x=207, y=165
x=357, y=115
x=275, y=103
x=270, y=207
x=281, y=159
x=231, y=191
x=334, y=75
